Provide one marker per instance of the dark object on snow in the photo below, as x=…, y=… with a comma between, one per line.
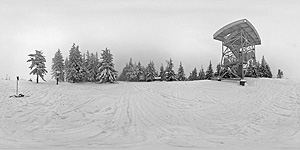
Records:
x=242, y=82
x=17, y=96
x=57, y=76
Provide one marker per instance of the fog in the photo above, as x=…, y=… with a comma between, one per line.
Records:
x=144, y=30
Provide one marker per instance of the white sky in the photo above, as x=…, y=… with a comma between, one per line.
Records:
x=145, y=30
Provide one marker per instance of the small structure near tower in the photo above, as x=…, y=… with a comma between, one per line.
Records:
x=238, y=48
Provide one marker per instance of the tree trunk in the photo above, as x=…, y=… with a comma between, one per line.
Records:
x=37, y=78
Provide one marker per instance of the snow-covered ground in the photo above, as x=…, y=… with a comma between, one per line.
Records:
x=264, y=114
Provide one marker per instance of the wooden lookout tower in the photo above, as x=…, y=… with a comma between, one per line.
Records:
x=238, y=47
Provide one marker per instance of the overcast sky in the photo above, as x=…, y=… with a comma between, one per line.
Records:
x=145, y=30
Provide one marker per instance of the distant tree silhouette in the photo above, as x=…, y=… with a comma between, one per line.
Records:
x=180, y=73
x=169, y=72
x=209, y=71
x=280, y=74
x=201, y=74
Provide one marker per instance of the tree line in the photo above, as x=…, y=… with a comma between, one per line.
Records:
x=88, y=67
x=78, y=67
x=137, y=72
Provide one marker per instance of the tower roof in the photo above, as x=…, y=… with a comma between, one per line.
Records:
x=243, y=24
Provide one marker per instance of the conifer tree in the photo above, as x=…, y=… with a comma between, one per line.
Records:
x=218, y=70
x=75, y=68
x=140, y=70
x=84, y=67
x=135, y=72
x=251, y=70
x=194, y=75
x=162, y=72
x=209, y=71
x=169, y=72
x=58, y=66
x=180, y=73
x=87, y=61
x=201, y=74
x=269, y=72
x=107, y=73
x=264, y=69
x=123, y=76
x=150, y=71
x=38, y=63
x=257, y=67
x=263, y=61
x=190, y=78
x=131, y=72
x=93, y=67
x=66, y=68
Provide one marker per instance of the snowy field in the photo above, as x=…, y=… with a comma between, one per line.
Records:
x=264, y=114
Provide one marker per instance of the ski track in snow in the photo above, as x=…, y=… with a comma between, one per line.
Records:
x=265, y=114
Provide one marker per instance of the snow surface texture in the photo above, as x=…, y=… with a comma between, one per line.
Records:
x=264, y=114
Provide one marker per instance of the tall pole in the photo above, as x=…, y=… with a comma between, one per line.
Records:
x=17, y=84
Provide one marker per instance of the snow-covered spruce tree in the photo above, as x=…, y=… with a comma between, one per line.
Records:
x=150, y=72
x=194, y=75
x=92, y=67
x=162, y=72
x=84, y=68
x=269, y=72
x=122, y=76
x=38, y=63
x=201, y=74
x=107, y=73
x=75, y=68
x=180, y=73
x=86, y=64
x=218, y=70
x=135, y=72
x=190, y=78
x=209, y=71
x=96, y=65
x=66, y=68
x=140, y=70
x=58, y=65
x=169, y=72
x=131, y=72
x=264, y=69
x=251, y=70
